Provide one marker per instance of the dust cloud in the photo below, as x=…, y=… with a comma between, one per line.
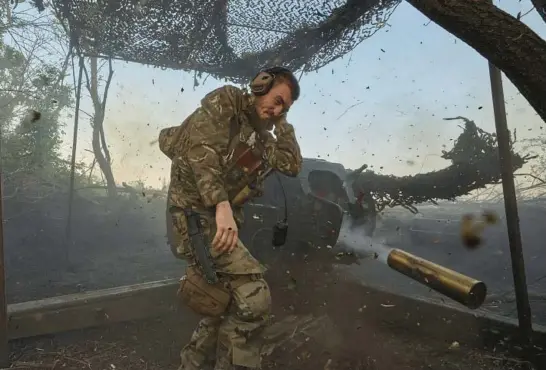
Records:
x=353, y=239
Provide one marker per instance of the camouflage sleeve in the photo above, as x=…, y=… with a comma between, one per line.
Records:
x=284, y=153
x=209, y=140
x=168, y=139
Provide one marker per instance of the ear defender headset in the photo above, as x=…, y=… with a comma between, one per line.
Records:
x=263, y=82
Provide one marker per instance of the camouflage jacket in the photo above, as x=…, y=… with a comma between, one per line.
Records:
x=201, y=149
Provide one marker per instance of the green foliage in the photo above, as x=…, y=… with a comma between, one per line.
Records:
x=33, y=99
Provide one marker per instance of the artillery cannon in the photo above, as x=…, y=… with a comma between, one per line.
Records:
x=318, y=200
x=325, y=192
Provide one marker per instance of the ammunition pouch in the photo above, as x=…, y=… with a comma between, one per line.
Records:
x=211, y=300
x=203, y=298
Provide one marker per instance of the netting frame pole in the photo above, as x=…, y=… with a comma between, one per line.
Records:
x=4, y=343
x=511, y=206
x=68, y=232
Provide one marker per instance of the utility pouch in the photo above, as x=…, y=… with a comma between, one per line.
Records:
x=203, y=298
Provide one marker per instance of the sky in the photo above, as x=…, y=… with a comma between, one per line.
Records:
x=383, y=104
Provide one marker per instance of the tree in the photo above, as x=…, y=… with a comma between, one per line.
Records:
x=37, y=136
x=540, y=6
x=99, y=146
x=536, y=175
x=98, y=142
x=32, y=99
x=502, y=39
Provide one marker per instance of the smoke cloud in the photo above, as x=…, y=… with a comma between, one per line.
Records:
x=353, y=239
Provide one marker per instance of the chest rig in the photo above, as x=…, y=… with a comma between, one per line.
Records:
x=246, y=160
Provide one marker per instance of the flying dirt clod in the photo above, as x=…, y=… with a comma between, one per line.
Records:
x=472, y=228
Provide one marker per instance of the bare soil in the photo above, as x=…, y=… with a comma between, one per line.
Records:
x=125, y=244
x=368, y=330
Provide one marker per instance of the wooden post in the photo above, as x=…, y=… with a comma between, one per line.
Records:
x=68, y=233
x=511, y=206
x=4, y=349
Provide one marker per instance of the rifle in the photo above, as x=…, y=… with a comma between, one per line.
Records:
x=249, y=190
x=200, y=246
x=197, y=237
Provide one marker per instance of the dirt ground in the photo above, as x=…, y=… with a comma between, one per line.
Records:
x=126, y=245
x=364, y=330
x=124, y=242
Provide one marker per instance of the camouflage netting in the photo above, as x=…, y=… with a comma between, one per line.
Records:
x=475, y=164
x=226, y=39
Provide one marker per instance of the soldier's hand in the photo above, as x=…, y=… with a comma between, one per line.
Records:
x=226, y=236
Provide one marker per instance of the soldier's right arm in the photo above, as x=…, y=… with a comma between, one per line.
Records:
x=209, y=140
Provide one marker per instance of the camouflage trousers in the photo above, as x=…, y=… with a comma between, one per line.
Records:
x=232, y=341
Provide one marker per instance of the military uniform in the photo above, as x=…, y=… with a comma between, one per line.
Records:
x=203, y=174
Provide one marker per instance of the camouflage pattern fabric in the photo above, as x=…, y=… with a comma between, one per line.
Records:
x=201, y=350
x=202, y=175
x=239, y=262
x=200, y=149
x=233, y=341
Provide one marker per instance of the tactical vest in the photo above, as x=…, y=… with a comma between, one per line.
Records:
x=245, y=161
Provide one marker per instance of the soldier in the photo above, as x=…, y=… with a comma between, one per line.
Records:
x=224, y=146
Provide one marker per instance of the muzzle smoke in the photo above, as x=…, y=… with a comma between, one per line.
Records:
x=352, y=238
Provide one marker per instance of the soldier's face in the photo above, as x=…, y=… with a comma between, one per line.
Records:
x=275, y=102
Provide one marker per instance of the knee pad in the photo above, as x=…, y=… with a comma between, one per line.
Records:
x=252, y=300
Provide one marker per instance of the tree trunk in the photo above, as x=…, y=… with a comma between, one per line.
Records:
x=103, y=158
x=540, y=6
x=506, y=42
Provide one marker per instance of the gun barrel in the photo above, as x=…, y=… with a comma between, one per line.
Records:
x=247, y=192
x=461, y=288
x=242, y=196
